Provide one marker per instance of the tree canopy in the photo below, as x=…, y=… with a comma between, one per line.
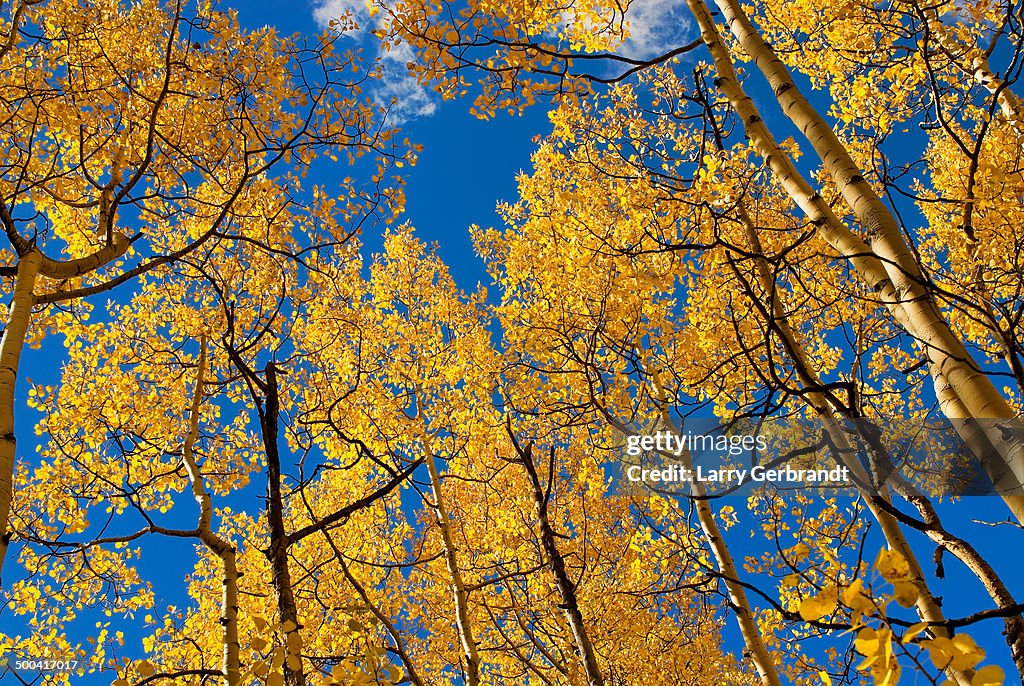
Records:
x=797, y=222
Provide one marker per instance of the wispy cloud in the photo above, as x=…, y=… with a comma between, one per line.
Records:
x=655, y=27
x=411, y=99
x=397, y=90
x=326, y=10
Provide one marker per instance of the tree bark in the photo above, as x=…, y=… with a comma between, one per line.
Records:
x=459, y=592
x=277, y=551
x=18, y=319
x=217, y=545
x=566, y=588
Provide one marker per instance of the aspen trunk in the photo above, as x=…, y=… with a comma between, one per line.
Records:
x=18, y=319
x=972, y=559
x=1007, y=100
x=218, y=546
x=566, y=588
x=459, y=592
x=738, y=601
x=277, y=551
x=946, y=353
x=928, y=608
x=31, y=264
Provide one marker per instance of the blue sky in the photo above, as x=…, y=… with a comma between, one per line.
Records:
x=466, y=166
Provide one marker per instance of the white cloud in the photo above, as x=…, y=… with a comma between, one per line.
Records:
x=655, y=27
x=397, y=85
x=326, y=10
x=411, y=99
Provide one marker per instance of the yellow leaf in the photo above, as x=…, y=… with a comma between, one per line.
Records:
x=968, y=653
x=906, y=592
x=989, y=675
x=912, y=633
x=940, y=650
x=855, y=597
x=892, y=566
x=867, y=642
x=798, y=552
x=890, y=676
x=960, y=652
x=824, y=603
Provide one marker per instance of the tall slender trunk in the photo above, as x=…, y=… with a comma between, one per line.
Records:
x=18, y=319
x=972, y=559
x=217, y=545
x=277, y=551
x=738, y=602
x=945, y=352
x=566, y=588
x=459, y=592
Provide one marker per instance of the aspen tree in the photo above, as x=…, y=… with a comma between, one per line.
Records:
x=881, y=278
x=459, y=593
x=556, y=561
x=824, y=406
x=628, y=266
x=948, y=359
x=140, y=131
x=217, y=544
